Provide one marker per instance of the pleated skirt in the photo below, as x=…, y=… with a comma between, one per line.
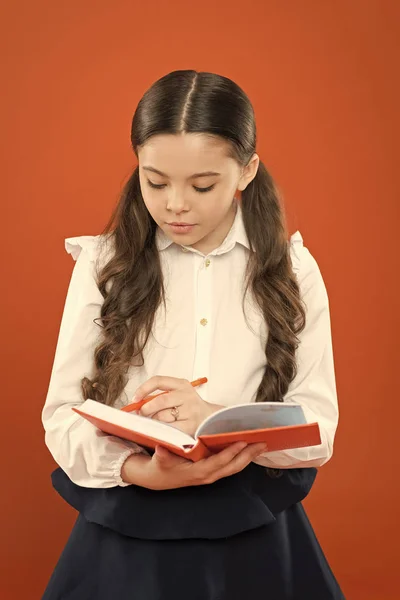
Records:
x=243, y=537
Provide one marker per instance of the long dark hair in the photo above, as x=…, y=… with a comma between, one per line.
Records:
x=131, y=281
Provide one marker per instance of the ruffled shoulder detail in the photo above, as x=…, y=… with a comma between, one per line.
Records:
x=96, y=246
x=296, y=247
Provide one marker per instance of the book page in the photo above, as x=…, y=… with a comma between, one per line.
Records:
x=257, y=415
x=138, y=423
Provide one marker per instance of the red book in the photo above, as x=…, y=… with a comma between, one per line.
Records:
x=281, y=425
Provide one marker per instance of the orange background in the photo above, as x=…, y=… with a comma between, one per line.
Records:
x=323, y=78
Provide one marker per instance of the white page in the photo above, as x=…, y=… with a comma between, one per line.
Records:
x=134, y=422
x=257, y=415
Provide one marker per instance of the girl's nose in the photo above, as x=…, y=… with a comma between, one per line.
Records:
x=176, y=202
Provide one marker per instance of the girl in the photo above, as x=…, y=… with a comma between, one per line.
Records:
x=193, y=276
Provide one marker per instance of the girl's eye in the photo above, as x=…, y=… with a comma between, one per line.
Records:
x=155, y=186
x=202, y=190
x=198, y=189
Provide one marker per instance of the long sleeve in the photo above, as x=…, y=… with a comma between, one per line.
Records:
x=89, y=457
x=314, y=386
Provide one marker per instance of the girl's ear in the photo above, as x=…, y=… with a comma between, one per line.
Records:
x=249, y=172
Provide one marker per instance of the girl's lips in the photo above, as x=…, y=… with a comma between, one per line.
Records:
x=180, y=228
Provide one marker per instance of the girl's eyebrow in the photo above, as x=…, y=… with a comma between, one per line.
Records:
x=195, y=175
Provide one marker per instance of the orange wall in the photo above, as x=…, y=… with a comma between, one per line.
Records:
x=322, y=77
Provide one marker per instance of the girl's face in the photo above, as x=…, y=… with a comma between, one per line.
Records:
x=188, y=185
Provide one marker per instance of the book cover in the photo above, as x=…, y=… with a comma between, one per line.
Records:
x=281, y=426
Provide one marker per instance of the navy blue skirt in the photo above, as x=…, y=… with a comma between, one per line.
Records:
x=244, y=536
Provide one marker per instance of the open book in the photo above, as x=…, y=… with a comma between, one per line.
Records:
x=281, y=425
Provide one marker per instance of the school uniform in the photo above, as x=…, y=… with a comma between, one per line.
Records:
x=244, y=535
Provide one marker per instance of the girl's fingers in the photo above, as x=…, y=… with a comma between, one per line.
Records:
x=220, y=460
x=158, y=404
x=240, y=461
x=166, y=458
x=230, y=460
x=156, y=383
x=165, y=416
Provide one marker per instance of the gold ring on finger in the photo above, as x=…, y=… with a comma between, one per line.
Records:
x=175, y=413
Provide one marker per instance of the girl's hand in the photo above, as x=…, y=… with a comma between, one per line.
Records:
x=192, y=409
x=166, y=471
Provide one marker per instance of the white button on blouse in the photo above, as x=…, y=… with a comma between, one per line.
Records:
x=203, y=333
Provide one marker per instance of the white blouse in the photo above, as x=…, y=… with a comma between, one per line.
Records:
x=203, y=334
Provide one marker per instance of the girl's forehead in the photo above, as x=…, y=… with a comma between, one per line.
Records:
x=192, y=145
x=184, y=154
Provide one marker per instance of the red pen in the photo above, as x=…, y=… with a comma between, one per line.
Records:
x=138, y=405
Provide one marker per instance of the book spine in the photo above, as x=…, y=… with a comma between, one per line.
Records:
x=197, y=452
